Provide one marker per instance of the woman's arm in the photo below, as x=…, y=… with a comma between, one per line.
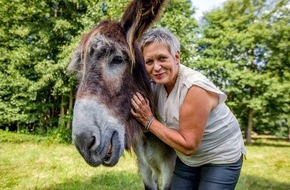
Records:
x=193, y=116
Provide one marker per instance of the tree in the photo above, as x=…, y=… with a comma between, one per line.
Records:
x=244, y=48
x=33, y=82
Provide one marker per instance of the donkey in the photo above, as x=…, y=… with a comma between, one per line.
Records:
x=111, y=69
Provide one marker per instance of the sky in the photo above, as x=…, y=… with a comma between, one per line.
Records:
x=205, y=5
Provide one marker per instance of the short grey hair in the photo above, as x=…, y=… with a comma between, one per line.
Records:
x=162, y=36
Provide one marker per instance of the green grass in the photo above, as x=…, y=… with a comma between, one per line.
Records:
x=267, y=166
x=31, y=162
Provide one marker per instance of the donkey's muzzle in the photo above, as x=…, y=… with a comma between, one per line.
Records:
x=98, y=136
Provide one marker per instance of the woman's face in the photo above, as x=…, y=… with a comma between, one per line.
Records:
x=161, y=66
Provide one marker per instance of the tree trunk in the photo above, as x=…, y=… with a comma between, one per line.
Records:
x=70, y=107
x=249, y=127
x=18, y=126
x=61, y=115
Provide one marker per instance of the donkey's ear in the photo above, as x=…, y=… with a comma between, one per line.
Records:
x=139, y=16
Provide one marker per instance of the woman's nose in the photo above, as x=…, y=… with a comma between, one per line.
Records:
x=157, y=66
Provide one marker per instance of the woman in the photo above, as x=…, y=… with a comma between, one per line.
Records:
x=192, y=118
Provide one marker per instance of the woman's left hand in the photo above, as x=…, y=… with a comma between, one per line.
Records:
x=141, y=108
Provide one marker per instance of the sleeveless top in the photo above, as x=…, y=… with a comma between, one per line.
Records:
x=222, y=141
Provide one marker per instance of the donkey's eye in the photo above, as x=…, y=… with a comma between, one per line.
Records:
x=117, y=60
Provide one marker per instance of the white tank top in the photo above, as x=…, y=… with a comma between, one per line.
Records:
x=222, y=140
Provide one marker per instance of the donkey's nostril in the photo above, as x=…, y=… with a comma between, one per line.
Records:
x=92, y=143
x=85, y=141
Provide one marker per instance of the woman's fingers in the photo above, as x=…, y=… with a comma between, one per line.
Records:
x=136, y=100
x=134, y=103
x=140, y=98
x=133, y=112
x=140, y=108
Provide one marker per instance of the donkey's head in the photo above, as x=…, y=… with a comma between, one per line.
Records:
x=111, y=70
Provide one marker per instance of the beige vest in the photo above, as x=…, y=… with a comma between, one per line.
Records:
x=222, y=140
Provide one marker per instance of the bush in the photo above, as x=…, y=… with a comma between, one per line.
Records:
x=60, y=134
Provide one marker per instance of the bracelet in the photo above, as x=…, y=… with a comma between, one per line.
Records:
x=149, y=123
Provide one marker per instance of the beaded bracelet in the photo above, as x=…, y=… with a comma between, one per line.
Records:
x=149, y=123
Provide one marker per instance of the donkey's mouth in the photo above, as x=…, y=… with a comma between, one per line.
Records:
x=114, y=151
x=108, y=156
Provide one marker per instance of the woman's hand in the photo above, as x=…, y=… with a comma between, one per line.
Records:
x=141, y=109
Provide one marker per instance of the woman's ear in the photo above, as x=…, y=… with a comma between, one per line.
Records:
x=177, y=57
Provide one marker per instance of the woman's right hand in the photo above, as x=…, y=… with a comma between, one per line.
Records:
x=141, y=109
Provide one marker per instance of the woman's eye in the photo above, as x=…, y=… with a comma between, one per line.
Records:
x=163, y=58
x=149, y=62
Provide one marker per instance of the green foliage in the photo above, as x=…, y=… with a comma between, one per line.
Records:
x=244, y=48
x=60, y=135
x=33, y=77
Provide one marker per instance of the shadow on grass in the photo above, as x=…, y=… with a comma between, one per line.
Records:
x=107, y=181
x=129, y=181
x=262, y=144
x=272, y=143
x=251, y=182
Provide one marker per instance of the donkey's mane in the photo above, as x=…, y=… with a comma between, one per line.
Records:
x=141, y=78
x=110, y=29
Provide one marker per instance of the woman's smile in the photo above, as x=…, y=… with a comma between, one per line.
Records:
x=159, y=75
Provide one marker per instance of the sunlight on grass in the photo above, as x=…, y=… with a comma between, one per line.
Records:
x=56, y=166
x=41, y=165
x=267, y=166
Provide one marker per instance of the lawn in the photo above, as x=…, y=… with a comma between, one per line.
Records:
x=28, y=162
